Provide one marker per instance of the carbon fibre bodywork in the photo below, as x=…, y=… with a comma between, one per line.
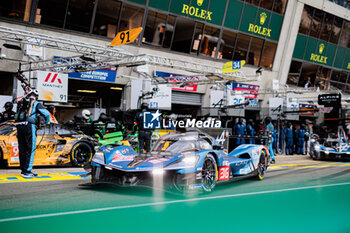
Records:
x=180, y=159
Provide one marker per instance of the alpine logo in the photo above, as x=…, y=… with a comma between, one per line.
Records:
x=53, y=78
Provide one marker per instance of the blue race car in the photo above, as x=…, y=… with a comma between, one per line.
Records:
x=184, y=161
x=335, y=146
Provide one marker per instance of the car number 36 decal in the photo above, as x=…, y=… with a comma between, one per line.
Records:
x=224, y=173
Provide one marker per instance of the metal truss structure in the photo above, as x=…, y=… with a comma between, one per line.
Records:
x=93, y=56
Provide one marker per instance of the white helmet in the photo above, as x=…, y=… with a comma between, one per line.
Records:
x=86, y=114
x=33, y=91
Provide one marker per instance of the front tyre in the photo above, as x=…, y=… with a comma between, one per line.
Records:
x=262, y=166
x=209, y=173
x=81, y=154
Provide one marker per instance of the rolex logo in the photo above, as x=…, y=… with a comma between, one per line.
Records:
x=320, y=50
x=263, y=17
x=199, y=2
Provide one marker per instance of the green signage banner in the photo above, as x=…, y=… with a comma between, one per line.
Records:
x=159, y=4
x=339, y=58
x=300, y=47
x=261, y=22
x=233, y=16
x=346, y=65
x=138, y=1
x=197, y=9
x=218, y=9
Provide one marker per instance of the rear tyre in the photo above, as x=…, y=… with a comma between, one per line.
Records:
x=262, y=166
x=209, y=173
x=81, y=154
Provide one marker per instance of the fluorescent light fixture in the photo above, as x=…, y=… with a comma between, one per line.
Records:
x=87, y=91
x=116, y=88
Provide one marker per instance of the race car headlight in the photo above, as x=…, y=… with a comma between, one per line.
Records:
x=99, y=156
x=190, y=161
x=317, y=147
x=185, y=162
x=158, y=171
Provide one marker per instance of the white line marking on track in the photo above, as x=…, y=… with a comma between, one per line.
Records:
x=168, y=202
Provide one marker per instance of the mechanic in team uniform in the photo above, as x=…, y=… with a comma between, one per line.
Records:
x=29, y=116
x=301, y=139
x=8, y=114
x=251, y=131
x=288, y=132
x=52, y=110
x=269, y=130
x=239, y=129
x=144, y=135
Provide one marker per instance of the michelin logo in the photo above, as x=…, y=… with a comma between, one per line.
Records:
x=151, y=120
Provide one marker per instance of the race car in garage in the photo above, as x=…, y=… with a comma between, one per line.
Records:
x=335, y=146
x=56, y=145
x=184, y=161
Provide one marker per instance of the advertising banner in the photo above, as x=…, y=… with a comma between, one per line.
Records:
x=329, y=100
x=275, y=107
x=252, y=89
x=178, y=78
x=235, y=99
x=162, y=98
x=35, y=50
x=52, y=86
x=105, y=75
x=307, y=110
x=292, y=106
x=275, y=85
x=232, y=66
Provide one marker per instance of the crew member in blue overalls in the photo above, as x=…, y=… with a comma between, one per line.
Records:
x=288, y=132
x=28, y=110
x=274, y=136
x=269, y=130
x=301, y=139
x=251, y=131
x=239, y=129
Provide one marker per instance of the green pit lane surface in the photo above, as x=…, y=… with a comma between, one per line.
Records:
x=295, y=199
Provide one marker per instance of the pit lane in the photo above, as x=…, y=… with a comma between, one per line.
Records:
x=297, y=195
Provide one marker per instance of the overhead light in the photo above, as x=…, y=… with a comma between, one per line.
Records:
x=116, y=88
x=87, y=91
x=12, y=46
x=85, y=58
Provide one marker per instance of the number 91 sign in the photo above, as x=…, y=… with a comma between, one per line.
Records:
x=126, y=37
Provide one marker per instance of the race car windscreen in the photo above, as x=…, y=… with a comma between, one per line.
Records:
x=171, y=145
x=7, y=129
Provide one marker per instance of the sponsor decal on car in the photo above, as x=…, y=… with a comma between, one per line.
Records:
x=14, y=152
x=118, y=156
x=155, y=160
x=224, y=173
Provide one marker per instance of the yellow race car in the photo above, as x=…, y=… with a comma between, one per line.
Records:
x=55, y=145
